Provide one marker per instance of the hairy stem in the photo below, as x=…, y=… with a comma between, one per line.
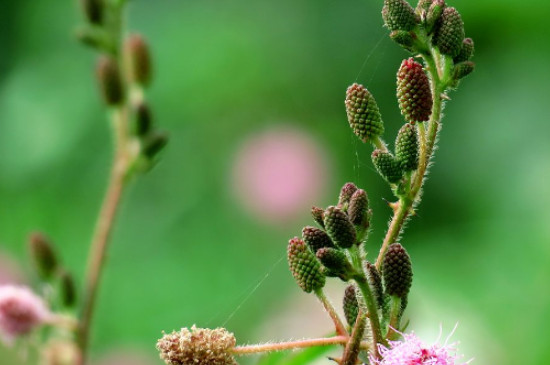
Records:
x=395, y=318
x=353, y=346
x=292, y=345
x=372, y=309
x=338, y=324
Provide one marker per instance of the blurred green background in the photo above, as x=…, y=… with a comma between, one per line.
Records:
x=186, y=250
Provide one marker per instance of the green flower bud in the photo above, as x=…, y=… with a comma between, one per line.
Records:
x=449, y=32
x=358, y=210
x=397, y=271
x=422, y=7
x=43, y=255
x=336, y=262
x=142, y=120
x=68, y=289
x=350, y=305
x=387, y=166
x=318, y=215
x=434, y=14
x=399, y=15
x=110, y=82
x=93, y=10
x=413, y=92
x=339, y=227
x=316, y=238
x=404, y=38
x=463, y=69
x=466, y=51
x=154, y=143
x=406, y=148
x=375, y=281
x=138, y=59
x=304, y=266
x=363, y=113
x=345, y=194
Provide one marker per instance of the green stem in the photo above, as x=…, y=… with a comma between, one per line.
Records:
x=395, y=318
x=338, y=324
x=372, y=309
x=351, y=352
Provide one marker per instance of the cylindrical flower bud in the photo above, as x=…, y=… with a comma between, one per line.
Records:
x=43, y=255
x=397, y=271
x=339, y=227
x=399, y=15
x=304, y=266
x=406, y=148
x=423, y=6
x=138, y=59
x=345, y=194
x=387, y=166
x=336, y=262
x=375, y=281
x=434, y=14
x=463, y=69
x=154, y=143
x=197, y=346
x=466, y=51
x=449, y=32
x=358, y=210
x=363, y=113
x=403, y=38
x=93, y=10
x=67, y=289
x=110, y=82
x=413, y=92
x=142, y=121
x=350, y=305
x=316, y=238
x=318, y=215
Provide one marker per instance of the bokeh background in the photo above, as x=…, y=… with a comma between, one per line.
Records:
x=252, y=93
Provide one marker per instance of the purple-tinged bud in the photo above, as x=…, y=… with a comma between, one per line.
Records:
x=449, y=32
x=466, y=51
x=318, y=215
x=110, y=82
x=413, y=92
x=336, y=262
x=93, y=10
x=43, y=255
x=316, y=238
x=345, y=194
x=397, y=271
x=399, y=15
x=363, y=113
x=197, y=346
x=387, y=166
x=350, y=305
x=406, y=148
x=358, y=210
x=138, y=59
x=339, y=227
x=304, y=266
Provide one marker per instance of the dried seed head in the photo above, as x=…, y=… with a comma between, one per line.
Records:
x=43, y=255
x=397, y=271
x=413, y=92
x=466, y=51
x=463, y=69
x=363, y=113
x=304, y=266
x=93, y=10
x=387, y=166
x=375, y=281
x=318, y=215
x=339, y=227
x=138, y=59
x=406, y=148
x=351, y=305
x=110, y=82
x=358, y=210
x=316, y=238
x=197, y=346
x=345, y=194
x=399, y=15
x=336, y=262
x=449, y=32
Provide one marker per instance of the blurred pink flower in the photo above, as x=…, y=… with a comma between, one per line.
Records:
x=412, y=351
x=20, y=312
x=279, y=174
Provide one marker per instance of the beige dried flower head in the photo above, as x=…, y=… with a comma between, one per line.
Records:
x=197, y=346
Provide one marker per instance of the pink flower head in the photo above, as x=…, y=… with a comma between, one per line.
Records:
x=20, y=312
x=412, y=351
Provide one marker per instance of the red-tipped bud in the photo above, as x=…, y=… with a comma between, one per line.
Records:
x=399, y=15
x=397, y=271
x=318, y=215
x=363, y=113
x=387, y=166
x=345, y=194
x=138, y=59
x=339, y=227
x=449, y=32
x=110, y=82
x=413, y=92
x=316, y=238
x=304, y=266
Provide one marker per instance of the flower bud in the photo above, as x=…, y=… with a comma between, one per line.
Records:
x=138, y=59
x=304, y=266
x=434, y=14
x=463, y=69
x=197, y=346
x=345, y=194
x=466, y=51
x=399, y=15
x=142, y=121
x=397, y=271
x=449, y=32
x=387, y=166
x=404, y=38
x=406, y=148
x=375, y=281
x=358, y=211
x=154, y=143
x=68, y=289
x=351, y=305
x=93, y=10
x=363, y=113
x=413, y=92
x=423, y=6
x=339, y=227
x=43, y=255
x=318, y=215
x=110, y=82
x=316, y=238
x=336, y=262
